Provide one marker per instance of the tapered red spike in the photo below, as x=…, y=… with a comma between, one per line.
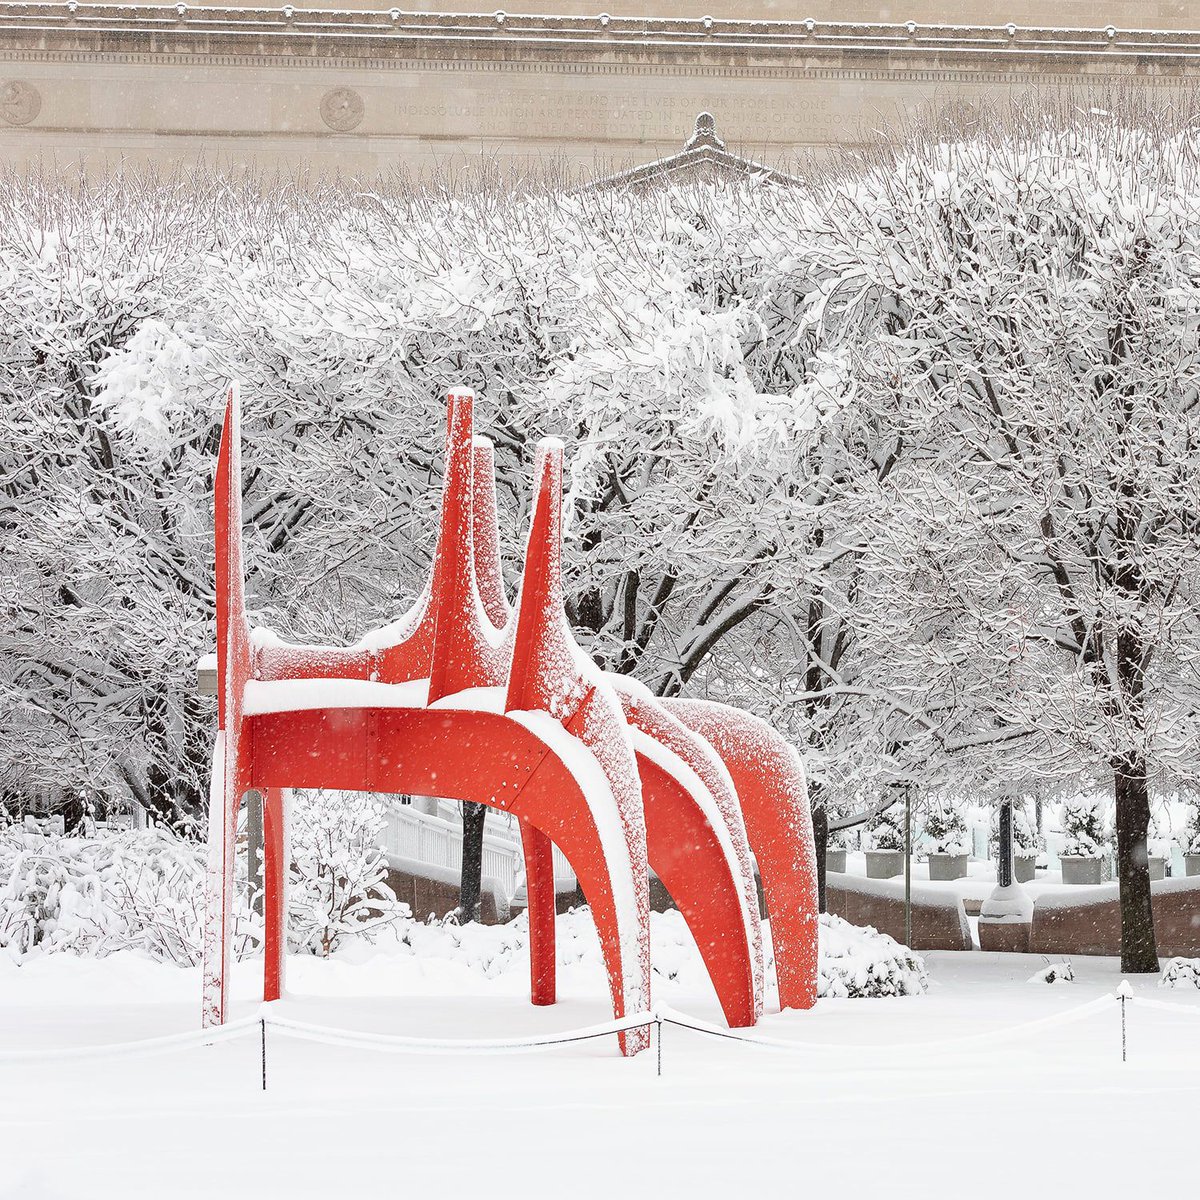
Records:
x=539, y=617
x=227, y=504
x=486, y=526
x=458, y=644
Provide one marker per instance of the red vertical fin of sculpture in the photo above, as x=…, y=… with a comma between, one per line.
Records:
x=486, y=526
x=769, y=778
x=456, y=651
x=230, y=755
x=275, y=869
x=697, y=846
x=541, y=911
x=549, y=675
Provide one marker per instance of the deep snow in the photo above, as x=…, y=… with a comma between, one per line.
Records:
x=1044, y=1108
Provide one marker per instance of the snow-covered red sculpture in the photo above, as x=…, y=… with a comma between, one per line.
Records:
x=467, y=699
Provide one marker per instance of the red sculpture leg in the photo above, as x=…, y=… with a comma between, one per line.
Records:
x=558, y=692
x=230, y=778
x=541, y=911
x=696, y=843
x=769, y=778
x=688, y=858
x=276, y=856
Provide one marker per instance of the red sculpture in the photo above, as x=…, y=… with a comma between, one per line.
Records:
x=465, y=699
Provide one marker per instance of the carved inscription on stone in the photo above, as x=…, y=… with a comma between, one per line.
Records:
x=342, y=109
x=20, y=102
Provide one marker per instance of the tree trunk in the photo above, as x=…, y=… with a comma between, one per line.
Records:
x=254, y=850
x=470, y=888
x=820, y=825
x=1139, y=952
x=1004, y=846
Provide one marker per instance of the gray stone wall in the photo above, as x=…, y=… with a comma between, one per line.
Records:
x=362, y=92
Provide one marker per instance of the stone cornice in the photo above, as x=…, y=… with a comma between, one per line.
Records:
x=177, y=33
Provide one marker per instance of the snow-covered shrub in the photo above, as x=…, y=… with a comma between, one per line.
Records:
x=338, y=881
x=1061, y=972
x=1083, y=822
x=140, y=890
x=53, y=895
x=859, y=962
x=1181, y=973
x=1161, y=839
x=885, y=830
x=945, y=827
x=842, y=839
x=1191, y=830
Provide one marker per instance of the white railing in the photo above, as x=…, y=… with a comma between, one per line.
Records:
x=437, y=841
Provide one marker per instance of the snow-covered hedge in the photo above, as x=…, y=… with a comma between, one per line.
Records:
x=145, y=890
x=135, y=890
x=860, y=962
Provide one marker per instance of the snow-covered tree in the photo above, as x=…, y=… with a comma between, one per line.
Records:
x=1034, y=293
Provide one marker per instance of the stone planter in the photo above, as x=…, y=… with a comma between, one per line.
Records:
x=1158, y=866
x=1191, y=864
x=947, y=866
x=1082, y=870
x=835, y=860
x=1005, y=937
x=883, y=864
x=1024, y=867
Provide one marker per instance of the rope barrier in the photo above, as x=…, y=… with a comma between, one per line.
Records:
x=1165, y=1006
x=669, y=1016
x=158, y=1045
x=662, y=1015
x=412, y=1045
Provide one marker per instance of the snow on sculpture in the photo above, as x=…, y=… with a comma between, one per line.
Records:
x=467, y=699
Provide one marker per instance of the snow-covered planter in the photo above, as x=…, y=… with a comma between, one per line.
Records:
x=1024, y=865
x=884, y=864
x=1181, y=973
x=885, y=846
x=1082, y=857
x=1159, y=843
x=862, y=962
x=946, y=830
x=1079, y=870
x=838, y=846
x=1083, y=824
x=1191, y=840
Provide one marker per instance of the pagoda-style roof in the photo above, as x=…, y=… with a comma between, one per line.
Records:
x=703, y=157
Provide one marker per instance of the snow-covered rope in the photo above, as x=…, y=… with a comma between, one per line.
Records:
x=671, y=1017
x=662, y=1015
x=157, y=1045
x=416, y=1045
x=1165, y=1005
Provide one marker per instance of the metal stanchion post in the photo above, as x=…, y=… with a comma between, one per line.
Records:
x=263, y=1028
x=658, y=1024
x=908, y=866
x=1123, y=994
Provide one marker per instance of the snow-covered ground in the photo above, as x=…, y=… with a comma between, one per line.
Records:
x=876, y=1097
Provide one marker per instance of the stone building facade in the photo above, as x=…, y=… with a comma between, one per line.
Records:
x=379, y=88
